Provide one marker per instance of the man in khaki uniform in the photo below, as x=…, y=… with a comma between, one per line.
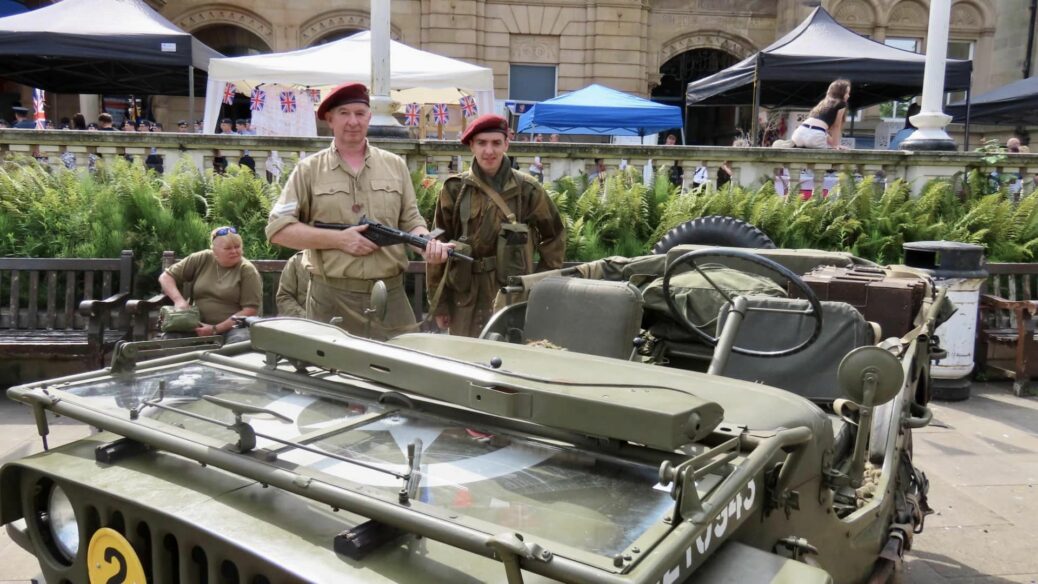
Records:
x=503, y=215
x=340, y=184
x=292, y=288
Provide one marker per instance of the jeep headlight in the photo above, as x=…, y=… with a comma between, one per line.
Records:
x=61, y=520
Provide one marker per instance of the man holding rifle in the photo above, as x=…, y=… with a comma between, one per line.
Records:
x=339, y=185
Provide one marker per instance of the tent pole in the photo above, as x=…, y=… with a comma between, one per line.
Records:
x=756, y=103
x=684, y=115
x=966, y=140
x=191, y=95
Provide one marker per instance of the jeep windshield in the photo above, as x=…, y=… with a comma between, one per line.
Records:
x=472, y=474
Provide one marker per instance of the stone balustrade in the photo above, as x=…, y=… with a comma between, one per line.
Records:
x=750, y=166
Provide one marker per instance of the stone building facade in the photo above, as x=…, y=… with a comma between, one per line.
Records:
x=541, y=48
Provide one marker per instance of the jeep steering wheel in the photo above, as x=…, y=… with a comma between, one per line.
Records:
x=814, y=310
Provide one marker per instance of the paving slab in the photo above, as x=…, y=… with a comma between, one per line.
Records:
x=957, y=507
x=985, y=470
x=974, y=551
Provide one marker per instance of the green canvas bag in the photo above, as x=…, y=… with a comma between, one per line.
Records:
x=176, y=320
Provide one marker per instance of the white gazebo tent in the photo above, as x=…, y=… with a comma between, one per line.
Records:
x=346, y=60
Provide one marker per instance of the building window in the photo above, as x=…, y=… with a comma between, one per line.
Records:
x=957, y=49
x=962, y=50
x=531, y=82
x=896, y=110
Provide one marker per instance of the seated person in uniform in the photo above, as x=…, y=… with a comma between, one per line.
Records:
x=220, y=282
x=292, y=288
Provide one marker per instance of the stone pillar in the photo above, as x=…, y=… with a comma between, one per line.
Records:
x=89, y=106
x=383, y=124
x=932, y=120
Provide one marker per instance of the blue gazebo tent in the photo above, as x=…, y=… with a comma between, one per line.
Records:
x=599, y=110
x=9, y=7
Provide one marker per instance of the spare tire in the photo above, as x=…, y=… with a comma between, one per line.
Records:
x=714, y=230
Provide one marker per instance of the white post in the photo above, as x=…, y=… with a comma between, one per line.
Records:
x=90, y=106
x=931, y=120
x=383, y=124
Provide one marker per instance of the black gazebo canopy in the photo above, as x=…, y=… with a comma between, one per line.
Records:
x=1010, y=105
x=101, y=46
x=795, y=70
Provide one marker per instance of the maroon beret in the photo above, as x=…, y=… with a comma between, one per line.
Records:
x=343, y=94
x=485, y=123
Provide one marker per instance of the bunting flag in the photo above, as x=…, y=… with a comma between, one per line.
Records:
x=38, y=114
x=412, y=114
x=468, y=106
x=440, y=114
x=228, y=93
x=288, y=102
x=258, y=98
x=315, y=95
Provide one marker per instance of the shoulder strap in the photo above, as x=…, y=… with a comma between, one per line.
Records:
x=494, y=196
x=465, y=210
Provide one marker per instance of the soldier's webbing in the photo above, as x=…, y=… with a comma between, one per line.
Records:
x=465, y=210
x=494, y=196
x=465, y=204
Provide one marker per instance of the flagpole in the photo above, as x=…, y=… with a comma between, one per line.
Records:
x=190, y=95
x=931, y=121
x=383, y=124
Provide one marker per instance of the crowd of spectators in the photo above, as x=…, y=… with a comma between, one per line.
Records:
x=106, y=123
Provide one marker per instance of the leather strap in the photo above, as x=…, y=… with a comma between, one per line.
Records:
x=434, y=302
x=494, y=196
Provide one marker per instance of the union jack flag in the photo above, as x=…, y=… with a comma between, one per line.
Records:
x=228, y=93
x=37, y=109
x=440, y=114
x=468, y=106
x=315, y=95
x=288, y=102
x=259, y=97
x=412, y=114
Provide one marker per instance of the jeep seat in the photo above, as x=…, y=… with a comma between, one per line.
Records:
x=811, y=373
x=596, y=317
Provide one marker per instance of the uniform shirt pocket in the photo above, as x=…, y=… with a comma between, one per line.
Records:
x=386, y=200
x=333, y=203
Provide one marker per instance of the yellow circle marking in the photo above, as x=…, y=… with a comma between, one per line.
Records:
x=111, y=559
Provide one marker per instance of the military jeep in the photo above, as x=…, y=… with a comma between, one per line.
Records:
x=699, y=416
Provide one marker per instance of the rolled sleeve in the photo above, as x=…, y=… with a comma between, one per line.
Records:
x=292, y=204
x=185, y=270
x=251, y=287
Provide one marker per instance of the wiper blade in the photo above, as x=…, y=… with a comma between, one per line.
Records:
x=247, y=435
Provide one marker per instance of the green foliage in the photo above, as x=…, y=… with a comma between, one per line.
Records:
x=48, y=212
x=427, y=190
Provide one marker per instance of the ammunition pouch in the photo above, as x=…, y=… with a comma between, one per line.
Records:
x=514, y=251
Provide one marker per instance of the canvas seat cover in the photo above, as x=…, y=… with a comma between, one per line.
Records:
x=596, y=317
x=811, y=373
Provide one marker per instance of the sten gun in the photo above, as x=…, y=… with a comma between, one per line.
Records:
x=383, y=235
